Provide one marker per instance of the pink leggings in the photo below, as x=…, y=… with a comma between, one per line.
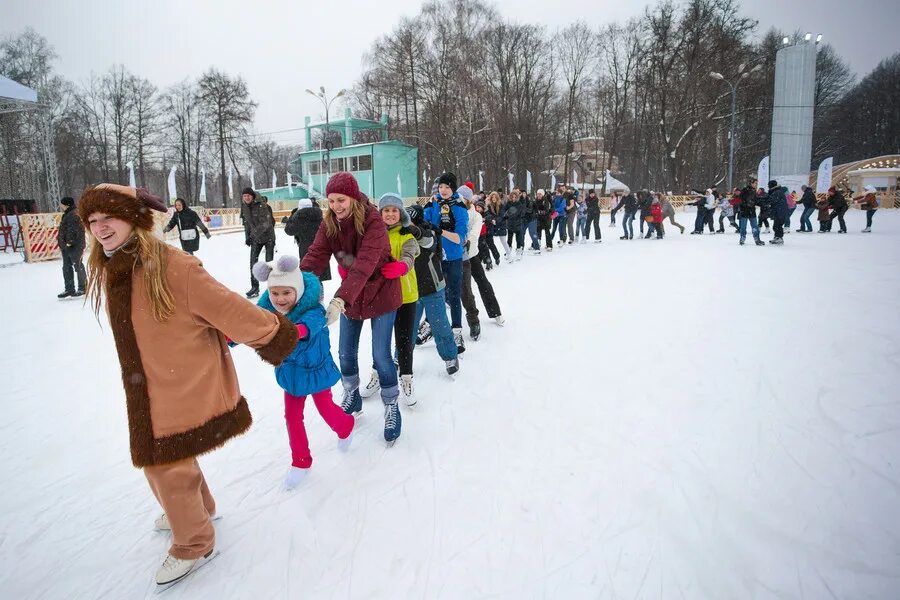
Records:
x=339, y=421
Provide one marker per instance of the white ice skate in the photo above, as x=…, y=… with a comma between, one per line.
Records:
x=372, y=388
x=162, y=522
x=174, y=569
x=344, y=444
x=294, y=477
x=406, y=389
x=499, y=320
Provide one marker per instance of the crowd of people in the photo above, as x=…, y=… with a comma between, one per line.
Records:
x=396, y=264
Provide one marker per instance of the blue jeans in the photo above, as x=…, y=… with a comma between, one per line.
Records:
x=627, y=225
x=787, y=220
x=433, y=307
x=754, y=227
x=348, y=353
x=869, y=214
x=805, y=223
x=453, y=273
x=533, y=232
x=581, y=226
x=560, y=222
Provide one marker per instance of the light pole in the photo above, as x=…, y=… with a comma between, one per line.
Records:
x=323, y=98
x=733, y=86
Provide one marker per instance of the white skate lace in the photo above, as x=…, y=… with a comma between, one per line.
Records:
x=390, y=416
x=347, y=401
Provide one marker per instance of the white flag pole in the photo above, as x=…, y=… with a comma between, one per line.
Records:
x=290, y=184
x=173, y=192
x=252, y=181
x=823, y=176
x=203, y=186
x=762, y=173
x=511, y=181
x=399, y=186
x=230, y=188
x=480, y=181
x=274, y=180
x=528, y=181
x=131, y=180
x=553, y=183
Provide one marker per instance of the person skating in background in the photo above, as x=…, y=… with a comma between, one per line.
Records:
x=868, y=201
x=657, y=215
x=808, y=200
x=528, y=216
x=170, y=319
x=259, y=232
x=404, y=250
x=310, y=369
x=668, y=212
x=571, y=215
x=726, y=211
x=473, y=269
x=791, y=207
x=779, y=206
x=353, y=232
x=188, y=223
x=447, y=212
x=581, y=219
x=302, y=225
x=824, y=215
x=498, y=228
x=71, y=241
x=746, y=210
x=615, y=202
x=765, y=209
x=543, y=211
x=431, y=284
x=838, y=205
x=629, y=206
x=593, y=216
x=712, y=200
x=559, y=215
x=484, y=252
x=514, y=216
x=645, y=201
x=700, y=219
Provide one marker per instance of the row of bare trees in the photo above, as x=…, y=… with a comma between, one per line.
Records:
x=475, y=92
x=117, y=117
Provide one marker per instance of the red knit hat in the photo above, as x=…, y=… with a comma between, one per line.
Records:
x=343, y=183
x=470, y=185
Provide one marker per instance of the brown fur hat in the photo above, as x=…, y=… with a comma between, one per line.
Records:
x=122, y=202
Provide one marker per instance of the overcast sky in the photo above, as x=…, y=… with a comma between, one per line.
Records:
x=282, y=47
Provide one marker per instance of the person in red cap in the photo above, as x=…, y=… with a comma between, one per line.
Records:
x=169, y=319
x=353, y=232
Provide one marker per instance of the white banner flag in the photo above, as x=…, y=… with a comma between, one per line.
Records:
x=131, y=181
x=230, y=188
x=203, y=186
x=425, y=189
x=762, y=173
x=575, y=178
x=252, y=181
x=480, y=180
x=290, y=184
x=399, y=186
x=528, y=181
x=512, y=181
x=274, y=180
x=823, y=179
x=173, y=193
x=553, y=183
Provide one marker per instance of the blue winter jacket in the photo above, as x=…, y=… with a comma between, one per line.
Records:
x=432, y=214
x=559, y=205
x=310, y=367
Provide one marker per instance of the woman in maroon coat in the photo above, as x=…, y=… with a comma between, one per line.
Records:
x=352, y=231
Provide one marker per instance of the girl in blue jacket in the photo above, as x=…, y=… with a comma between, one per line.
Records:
x=309, y=369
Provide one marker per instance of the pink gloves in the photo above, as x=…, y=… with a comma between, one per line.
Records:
x=342, y=271
x=302, y=331
x=393, y=270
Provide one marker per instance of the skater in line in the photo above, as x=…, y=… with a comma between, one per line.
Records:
x=559, y=215
x=615, y=202
x=70, y=238
x=778, y=203
x=838, y=205
x=868, y=202
x=581, y=219
x=188, y=223
x=571, y=214
x=472, y=269
x=726, y=211
x=303, y=224
x=593, y=216
x=765, y=209
x=668, y=212
x=824, y=215
x=700, y=219
x=808, y=200
x=791, y=207
x=310, y=369
x=543, y=211
x=498, y=227
x=514, y=217
x=259, y=232
x=431, y=285
x=629, y=206
x=168, y=315
x=531, y=214
x=657, y=217
x=353, y=232
x=712, y=200
x=746, y=209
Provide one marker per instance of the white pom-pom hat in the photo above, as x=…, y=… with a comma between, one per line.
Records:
x=284, y=272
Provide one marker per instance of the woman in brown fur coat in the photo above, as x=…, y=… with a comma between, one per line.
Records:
x=169, y=319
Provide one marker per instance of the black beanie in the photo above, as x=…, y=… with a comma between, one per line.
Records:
x=67, y=201
x=448, y=178
x=248, y=190
x=773, y=184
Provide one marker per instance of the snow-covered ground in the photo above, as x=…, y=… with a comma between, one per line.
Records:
x=676, y=419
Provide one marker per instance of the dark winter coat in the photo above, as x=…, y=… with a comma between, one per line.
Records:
x=529, y=209
x=429, y=272
x=629, y=204
x=498, y=221
x=837, y=202
x=71, y=232
x=765, y=207
x=303, y=224
x=778, y=201
x=187, y=220
x=365, y=291
x=593, y=205
x=490, y=220
x=543, y=208
x=808, y=200
x=259, y=224
x=645, y=203
x=310, y=367
x=514, y=215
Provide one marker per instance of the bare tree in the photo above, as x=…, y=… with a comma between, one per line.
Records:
x=145, y=103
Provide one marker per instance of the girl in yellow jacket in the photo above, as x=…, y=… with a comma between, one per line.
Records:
x=404, y=249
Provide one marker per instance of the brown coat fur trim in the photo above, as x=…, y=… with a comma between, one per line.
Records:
x=209, y=436
x=281, y=345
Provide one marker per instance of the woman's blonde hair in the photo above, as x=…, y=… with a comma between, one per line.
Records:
x=150, y=252
x=494, y=201
x=357, y=210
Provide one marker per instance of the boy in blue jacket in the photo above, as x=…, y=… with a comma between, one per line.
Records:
x=448, y=214
x=309, y=369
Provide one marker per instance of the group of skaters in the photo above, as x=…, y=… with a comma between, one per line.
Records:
x=396, y=265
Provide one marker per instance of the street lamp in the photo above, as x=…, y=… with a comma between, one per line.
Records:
x=733, y=86
x=323, y=98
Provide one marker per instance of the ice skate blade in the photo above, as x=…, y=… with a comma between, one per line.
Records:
x=162, y=587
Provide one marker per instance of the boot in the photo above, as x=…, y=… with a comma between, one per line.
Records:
x=294, y=477
x=867, y=230
x=499, y=320
x=742, y=241
x=372, y=387
x=352, y=402
x=406, y=389
x=519, y=253
x=759, y=242
x=458, y=338
x=424, y=333
x=475, y=331
x=174, y=569
x=452, y=366
x=65, y=295
x=252, y=292
x=392, y=422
